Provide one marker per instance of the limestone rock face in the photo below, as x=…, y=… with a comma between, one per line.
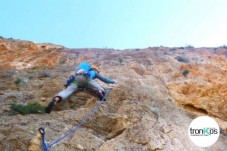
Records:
x=149, y=109
x=17, y=54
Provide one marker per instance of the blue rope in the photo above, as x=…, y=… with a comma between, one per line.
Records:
x=47, y=147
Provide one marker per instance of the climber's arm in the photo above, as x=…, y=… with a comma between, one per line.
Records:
x=104, y=79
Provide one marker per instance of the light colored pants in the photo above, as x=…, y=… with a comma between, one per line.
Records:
x=81, y=81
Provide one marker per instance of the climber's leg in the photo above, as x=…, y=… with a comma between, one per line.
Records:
x=63, y=95
x=68, y=91
x=99, y=91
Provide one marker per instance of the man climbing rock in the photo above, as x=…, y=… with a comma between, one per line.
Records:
x=84, y=77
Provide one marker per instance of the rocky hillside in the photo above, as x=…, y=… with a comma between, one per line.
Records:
x=159, y=91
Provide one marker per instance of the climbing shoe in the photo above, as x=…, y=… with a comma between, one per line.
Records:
x=50, y=106
x=100, y=95
x=52, y=103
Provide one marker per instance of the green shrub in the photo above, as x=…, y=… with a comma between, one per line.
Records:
x=189, y=46
x=62, y=60
x=222, y=131
x=172, y=49
x=224, y=46
x=34, y=68
x=27, y=109
x=121, y=60
x=45, y=74
x=182, y=59
x=185, y=72
x=19, y=80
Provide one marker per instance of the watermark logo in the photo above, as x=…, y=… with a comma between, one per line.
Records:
x=203, y=131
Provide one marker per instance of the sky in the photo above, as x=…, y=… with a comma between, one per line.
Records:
x=118, y=24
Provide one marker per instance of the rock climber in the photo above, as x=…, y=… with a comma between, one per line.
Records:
x=84, y=77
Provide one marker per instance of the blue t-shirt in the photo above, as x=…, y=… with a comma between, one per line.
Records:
x=85, y=66
x=92, y=73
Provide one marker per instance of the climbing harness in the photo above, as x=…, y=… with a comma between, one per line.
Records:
x=46, y=146
x=72, y=79
x=69, y=80
x=84, y=73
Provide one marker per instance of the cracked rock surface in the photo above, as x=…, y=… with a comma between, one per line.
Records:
x=149, y=109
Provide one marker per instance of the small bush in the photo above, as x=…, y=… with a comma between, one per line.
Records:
x=181, y=59
x=185, y=72
x=189, y=46
x=45, y=74
x=222, y=131
x=62, y=60
x=121, y=60
x=172, y=49
x=19, y=80
x=27, y=109
x=224, y=46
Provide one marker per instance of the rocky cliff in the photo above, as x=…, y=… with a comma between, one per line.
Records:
x=159, y=91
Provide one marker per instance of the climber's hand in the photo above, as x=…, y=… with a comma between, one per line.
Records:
x=114, y=85
x=115, y=82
